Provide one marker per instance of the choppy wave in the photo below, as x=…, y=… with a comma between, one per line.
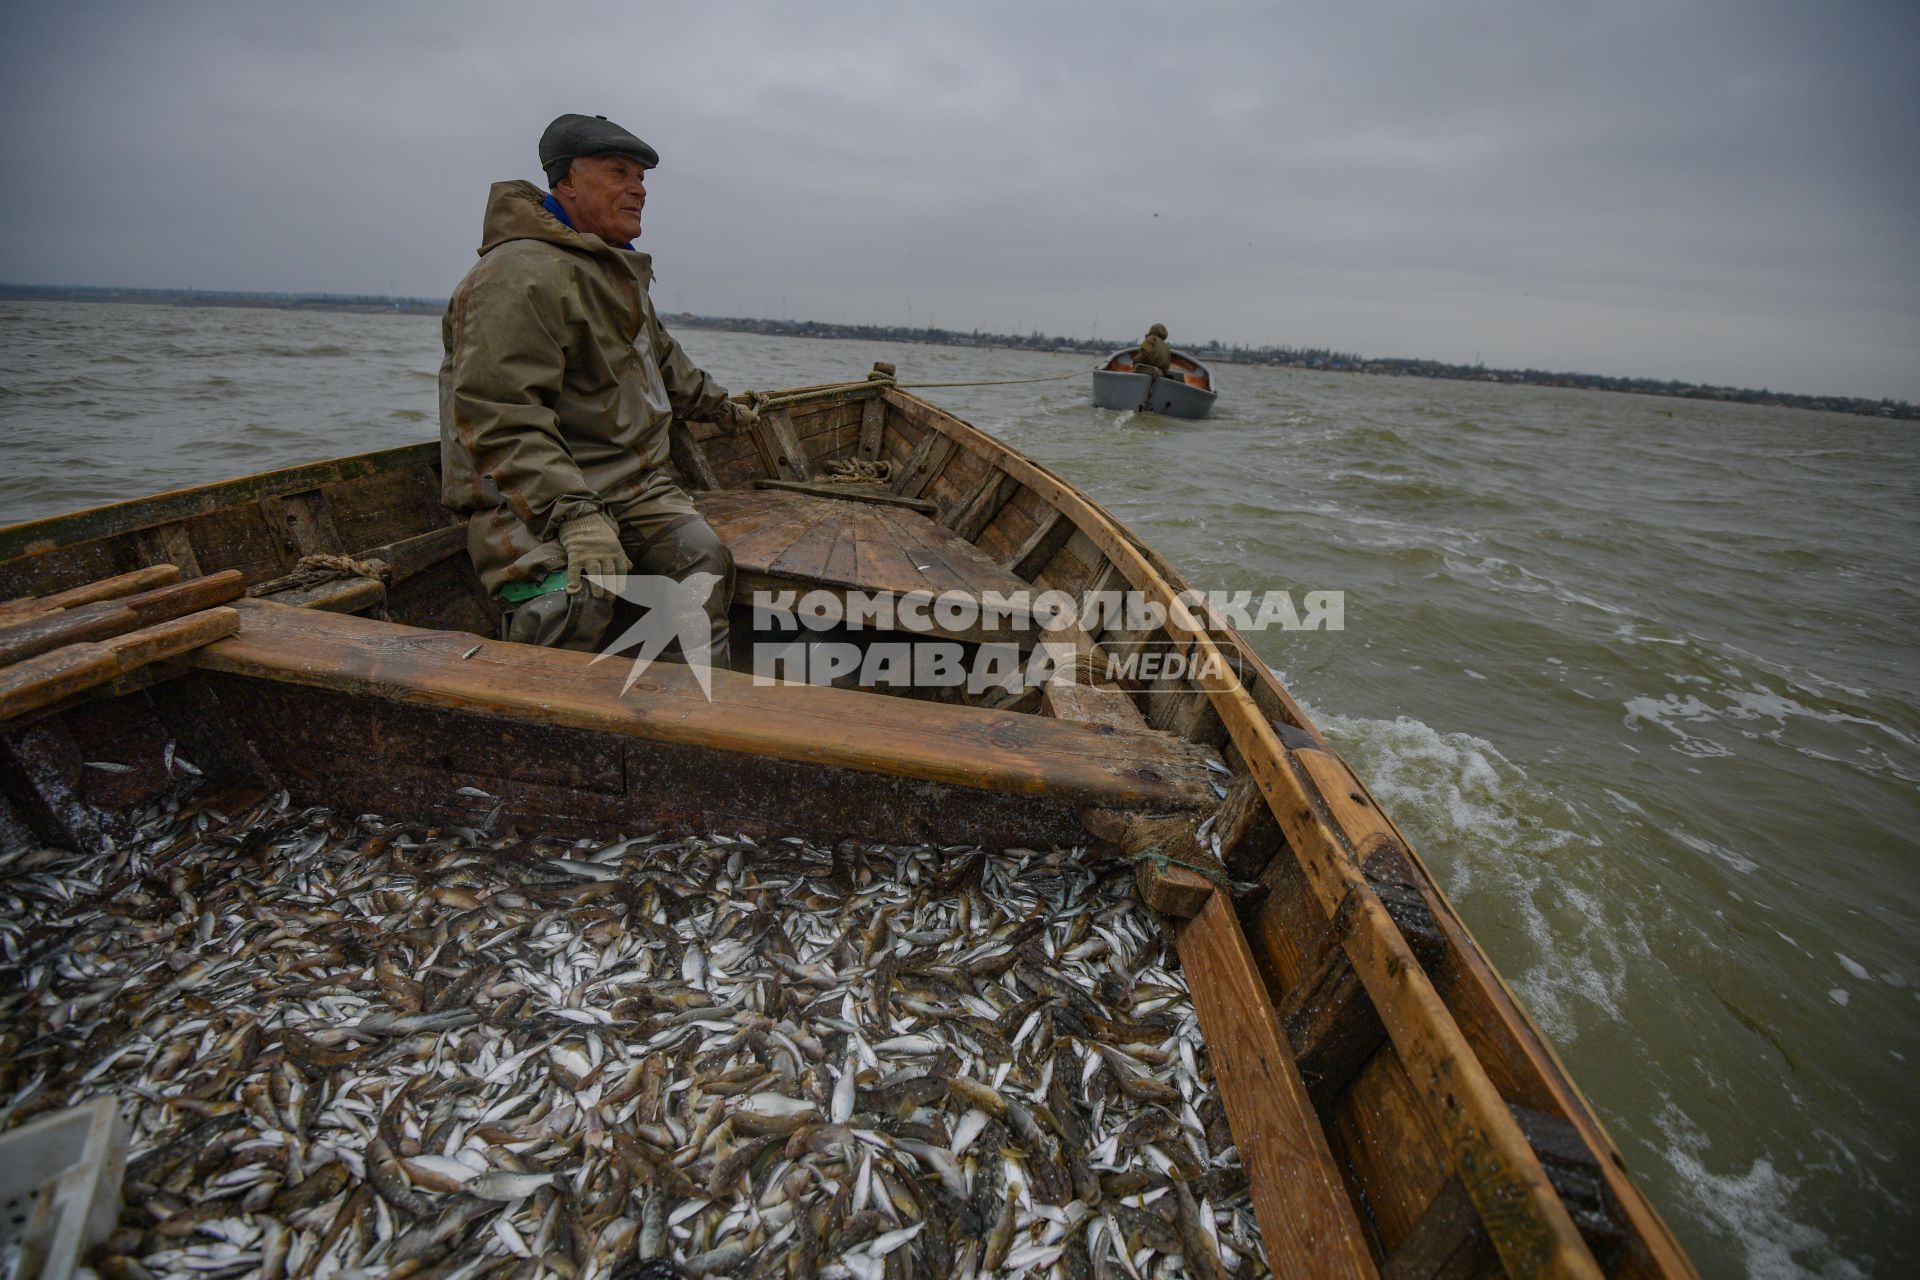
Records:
x=1522, y=857
x=324, y=350
x=1753, y=1211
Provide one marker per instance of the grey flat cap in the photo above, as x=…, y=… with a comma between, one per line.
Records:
x=572, y=136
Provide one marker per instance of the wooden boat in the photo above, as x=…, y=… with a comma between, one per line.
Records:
x=1184, y=391
x=1396, y=1110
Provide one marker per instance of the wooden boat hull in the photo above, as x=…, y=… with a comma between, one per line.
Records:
x=1394, y=1107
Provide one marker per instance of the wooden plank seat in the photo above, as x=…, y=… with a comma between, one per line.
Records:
x=786, y=539
x=840, y=728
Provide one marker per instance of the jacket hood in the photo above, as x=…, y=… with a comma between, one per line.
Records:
x=517, y=211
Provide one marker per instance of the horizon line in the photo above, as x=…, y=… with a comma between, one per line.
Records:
x=417, y=303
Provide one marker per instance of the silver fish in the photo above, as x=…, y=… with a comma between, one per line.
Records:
x=852, y=1060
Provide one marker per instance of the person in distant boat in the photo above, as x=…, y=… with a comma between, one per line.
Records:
x=557, y=393
x=1154, y=356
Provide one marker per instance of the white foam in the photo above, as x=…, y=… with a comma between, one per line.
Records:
x=1504, y=575
x=1855, y=968
x=1738, y=861
x=1630, y=633
x=1626, y=802
x=1733, y=705
x=1765, y=703
x=1664, y=713
x=1514, y=852
x=1751, y=1211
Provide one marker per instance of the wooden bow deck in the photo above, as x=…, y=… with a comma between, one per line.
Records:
x=781, y=538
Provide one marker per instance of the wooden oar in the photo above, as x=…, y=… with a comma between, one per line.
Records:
x=124, y=584
x=115, y=616
x=39, y=682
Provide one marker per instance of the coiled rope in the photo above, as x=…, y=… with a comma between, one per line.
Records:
x=859, y=471
x=324, y=567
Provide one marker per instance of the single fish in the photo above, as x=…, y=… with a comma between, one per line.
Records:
x=507, y=1187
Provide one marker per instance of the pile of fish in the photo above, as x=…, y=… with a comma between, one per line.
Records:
x=353, y=1047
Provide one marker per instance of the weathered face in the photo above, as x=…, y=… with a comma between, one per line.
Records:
x=604, y=195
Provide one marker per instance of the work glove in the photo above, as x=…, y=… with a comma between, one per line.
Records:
x=592, y=543
x=745, y=417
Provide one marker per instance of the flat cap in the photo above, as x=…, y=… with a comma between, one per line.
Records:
x=1158, y=331
x=571, y=136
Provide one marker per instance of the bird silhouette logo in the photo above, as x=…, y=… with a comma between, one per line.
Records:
x=669, y=610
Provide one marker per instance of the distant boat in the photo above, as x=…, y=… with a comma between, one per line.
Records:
x=1184, y=391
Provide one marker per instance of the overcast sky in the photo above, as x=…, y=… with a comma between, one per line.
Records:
x=1724, y=191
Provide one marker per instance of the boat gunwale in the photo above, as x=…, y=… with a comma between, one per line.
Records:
x=131, y=515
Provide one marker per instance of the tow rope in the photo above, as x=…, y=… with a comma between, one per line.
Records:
x=762, y=401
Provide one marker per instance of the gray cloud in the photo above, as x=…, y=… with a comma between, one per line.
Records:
x=1721, y=190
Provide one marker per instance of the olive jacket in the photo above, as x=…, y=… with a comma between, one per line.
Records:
x=558, y=387
x=1154, y=351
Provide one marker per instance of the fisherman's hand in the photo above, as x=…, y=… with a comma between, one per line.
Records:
x=592, y=544
x=745, y=417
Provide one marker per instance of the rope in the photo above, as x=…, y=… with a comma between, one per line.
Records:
x=344, y=567
x=994, y=382
x=324, y=567
x=1216, y=874
x=762, y=402
x=859, y=471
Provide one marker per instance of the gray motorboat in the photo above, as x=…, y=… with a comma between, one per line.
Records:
x=1184, y=391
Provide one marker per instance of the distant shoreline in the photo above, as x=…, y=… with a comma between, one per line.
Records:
x=1313, y=358
x=363, y=303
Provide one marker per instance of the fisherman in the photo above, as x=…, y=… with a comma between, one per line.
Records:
x=556, y=396
x=1154, y=356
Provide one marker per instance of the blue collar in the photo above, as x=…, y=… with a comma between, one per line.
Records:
x=552, y=206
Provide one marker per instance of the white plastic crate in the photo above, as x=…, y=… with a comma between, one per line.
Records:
x=59, y=1189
